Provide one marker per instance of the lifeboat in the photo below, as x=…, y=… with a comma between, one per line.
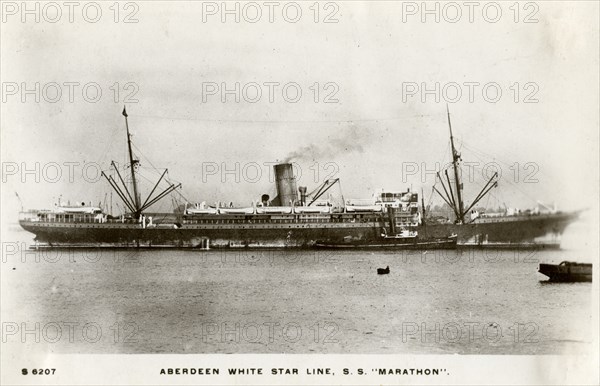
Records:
x=312, y=209
x=274, y=209
x=236, y=210
x=363, y=208
x=201, y=211
x=78, y=209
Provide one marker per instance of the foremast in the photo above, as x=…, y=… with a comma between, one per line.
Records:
x=132, y=165
x=133, y=203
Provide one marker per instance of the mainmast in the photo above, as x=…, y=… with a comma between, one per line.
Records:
x=456, y=201
x=132, y=163
x=455, y=158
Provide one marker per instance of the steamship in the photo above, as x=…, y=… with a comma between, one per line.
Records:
x=294, y=218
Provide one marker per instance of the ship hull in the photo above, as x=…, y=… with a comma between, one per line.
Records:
x=299, y=234
x=517, y=229
x=284, y=236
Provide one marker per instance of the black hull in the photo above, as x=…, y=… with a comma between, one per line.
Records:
x=281, y=235
x=103, y=235
x=517, y=229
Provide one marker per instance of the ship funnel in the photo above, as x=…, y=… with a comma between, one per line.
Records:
x=285, y=182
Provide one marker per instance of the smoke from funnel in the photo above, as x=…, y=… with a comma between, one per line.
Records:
x=350, y=140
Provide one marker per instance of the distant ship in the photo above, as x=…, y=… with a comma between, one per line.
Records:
x=293, y=219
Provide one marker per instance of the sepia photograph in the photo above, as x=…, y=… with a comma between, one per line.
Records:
x=299, y=192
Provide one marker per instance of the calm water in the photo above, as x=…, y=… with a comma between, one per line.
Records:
x=177, y=301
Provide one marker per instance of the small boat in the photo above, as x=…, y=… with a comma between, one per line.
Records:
x=363, y=208
x=567, y=271
x=274, y=209
x=208, y=210
x=533, y=246
x=249, y=210
x=383, y=271
x=201, y=208
x=391, y=242
x=312, y=209
x=404, y=234
x=78, y=209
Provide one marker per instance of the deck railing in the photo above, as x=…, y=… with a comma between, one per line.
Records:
x=42, y=217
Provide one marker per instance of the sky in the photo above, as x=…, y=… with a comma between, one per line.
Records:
x=343, y=98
